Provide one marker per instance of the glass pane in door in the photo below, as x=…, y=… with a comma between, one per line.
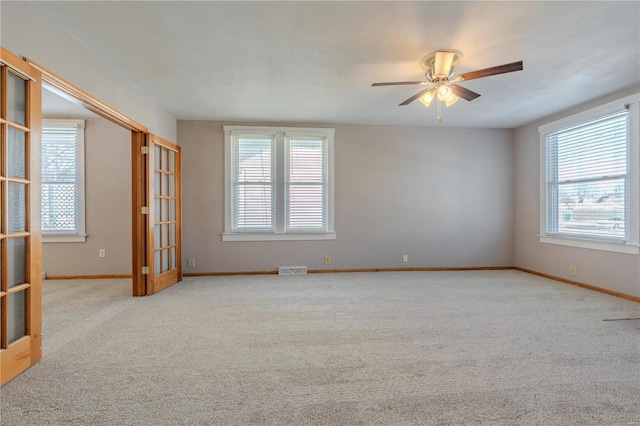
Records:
x=172, y=162
x=16, y=324
x=164, y=158
x=157, y=211
x=16, y=99
x=17, y=154
x=17, y=207
x=17, y=261
x=156, y=183
x=156, y=156
x=156, y=237
x=165, y=260
x=165, y=184
x=156, y=262
x=2, y=126
x=165, y=235
x=165, y=210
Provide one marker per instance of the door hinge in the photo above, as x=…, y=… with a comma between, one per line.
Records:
x=144, y=210
x=144, y=150
x=145, y=270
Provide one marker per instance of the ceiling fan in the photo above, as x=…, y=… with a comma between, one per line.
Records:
x=440, y=71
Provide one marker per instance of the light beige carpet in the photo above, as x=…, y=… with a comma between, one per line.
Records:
x=433, y=348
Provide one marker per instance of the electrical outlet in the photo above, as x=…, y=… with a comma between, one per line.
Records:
x=573, y=270
x=405, y=258
x=191, y=263
x=102, y=253
x=327, y=260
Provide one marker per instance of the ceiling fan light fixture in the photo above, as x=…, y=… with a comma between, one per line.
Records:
x=451, y=99
x=427, y=98
x=444, y=92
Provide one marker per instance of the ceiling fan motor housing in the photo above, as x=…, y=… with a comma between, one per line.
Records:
x=428, y=63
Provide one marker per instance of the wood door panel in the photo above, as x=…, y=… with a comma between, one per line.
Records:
x=20, y=179
x=16, y=360
x=139, y=222
x=164, y=239
x=162, y=281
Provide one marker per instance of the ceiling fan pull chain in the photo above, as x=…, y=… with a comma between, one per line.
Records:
x=439, y=110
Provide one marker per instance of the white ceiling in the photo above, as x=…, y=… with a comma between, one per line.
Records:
x=55, y=106
x=314, y=62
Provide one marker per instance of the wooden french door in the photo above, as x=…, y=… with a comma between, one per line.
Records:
x=20, y=235
x=164, y=254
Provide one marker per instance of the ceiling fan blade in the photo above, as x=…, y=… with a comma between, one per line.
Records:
x=442, y=63
x=400, y=83
x=416, y=96
x=463, y=92
x=487, y=72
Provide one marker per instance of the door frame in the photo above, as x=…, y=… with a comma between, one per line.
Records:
x=68, y=91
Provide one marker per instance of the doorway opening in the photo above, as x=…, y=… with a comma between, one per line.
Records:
x=86, y=193
x=138, y=169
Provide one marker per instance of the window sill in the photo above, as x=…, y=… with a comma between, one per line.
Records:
x=618, y=247
x=279, y=237
x=64, y=238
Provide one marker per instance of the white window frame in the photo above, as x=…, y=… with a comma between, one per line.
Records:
x=279, y=172
x=80, y=235
x=632, y=245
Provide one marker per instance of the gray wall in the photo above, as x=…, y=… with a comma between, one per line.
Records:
x=108, y=208
x=443, y=196
x=612, y=271
x=28, y=31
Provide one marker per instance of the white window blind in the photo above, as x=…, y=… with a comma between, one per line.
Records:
x=306, y=184
x=253, y=184
x=63, y=177
x=587, y=185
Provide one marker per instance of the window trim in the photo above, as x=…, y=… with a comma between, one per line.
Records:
x=280, y=137
x=632, y=246
x=81, y=235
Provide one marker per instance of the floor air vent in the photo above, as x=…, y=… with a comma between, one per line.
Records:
x=292, y=270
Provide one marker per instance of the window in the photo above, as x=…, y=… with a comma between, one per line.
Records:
x=63, y=181
x=279, y=183
x=589, y=190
